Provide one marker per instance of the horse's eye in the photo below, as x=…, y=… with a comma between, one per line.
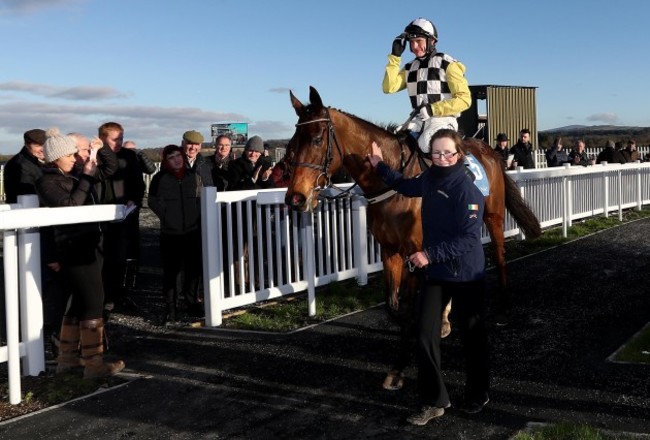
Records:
x=317, y=141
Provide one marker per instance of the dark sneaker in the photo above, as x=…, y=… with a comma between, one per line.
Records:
x=426, y=413
x=474, y=407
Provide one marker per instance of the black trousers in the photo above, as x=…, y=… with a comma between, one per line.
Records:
x=84, y=281
x=468, y=314
x=181, y=256
x=118, y=246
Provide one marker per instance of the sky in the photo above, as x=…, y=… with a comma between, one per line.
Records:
x=162, y=67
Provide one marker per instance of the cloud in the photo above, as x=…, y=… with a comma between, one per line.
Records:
x=280, y=90
x=607, y=117
x=149, y=126
x=23, y=7
x=79, y=93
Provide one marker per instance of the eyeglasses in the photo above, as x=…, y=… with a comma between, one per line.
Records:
x=445, y=154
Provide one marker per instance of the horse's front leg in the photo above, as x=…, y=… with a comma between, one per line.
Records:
x=393, y=265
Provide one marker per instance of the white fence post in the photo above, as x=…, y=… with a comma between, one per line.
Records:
x=605, y=192
x=212, y=264
x=619, y=176
x=639, y=194
x=308, y=260
x=31, y=302
x=360, y=238
x=12, y=312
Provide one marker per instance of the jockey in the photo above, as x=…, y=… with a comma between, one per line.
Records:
x=435, y=82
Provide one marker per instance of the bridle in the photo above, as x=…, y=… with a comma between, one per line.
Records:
x=381, y=196
x=327, y=160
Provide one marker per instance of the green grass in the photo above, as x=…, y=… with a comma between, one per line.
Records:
x=637, y=350
x=568, y=431
x=291, y=313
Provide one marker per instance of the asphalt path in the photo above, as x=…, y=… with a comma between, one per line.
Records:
x=575, y=306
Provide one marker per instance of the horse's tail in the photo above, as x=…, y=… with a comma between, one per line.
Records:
x=519, y=209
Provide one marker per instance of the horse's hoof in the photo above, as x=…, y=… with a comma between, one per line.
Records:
x=445, y=330
x=394, y=381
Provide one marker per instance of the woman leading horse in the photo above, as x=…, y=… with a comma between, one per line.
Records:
x=327, y=139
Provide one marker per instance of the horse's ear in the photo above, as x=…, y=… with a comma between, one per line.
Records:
x=297, y=105
x=314, y=97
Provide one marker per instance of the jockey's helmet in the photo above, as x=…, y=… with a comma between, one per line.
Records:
x=421, y=27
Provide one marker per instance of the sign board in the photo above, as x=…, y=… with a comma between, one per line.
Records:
x=237, y=131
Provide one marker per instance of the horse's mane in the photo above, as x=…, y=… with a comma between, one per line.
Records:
x=369, y=124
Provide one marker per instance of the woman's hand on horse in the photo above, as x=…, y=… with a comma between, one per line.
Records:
x=375, y=156
x=419, y=259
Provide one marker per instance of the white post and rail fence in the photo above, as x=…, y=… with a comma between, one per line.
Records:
x=255, y=249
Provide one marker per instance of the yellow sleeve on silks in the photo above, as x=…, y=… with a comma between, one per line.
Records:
x=394, y=78
x=461, y=98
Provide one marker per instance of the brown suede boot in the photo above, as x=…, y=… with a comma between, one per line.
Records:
x=69, y=356
x=92, y=350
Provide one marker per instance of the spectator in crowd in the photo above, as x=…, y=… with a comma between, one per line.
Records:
x=21, y=173
x=523, y=151
x=192, y=144
x=146, y=165
x=105, y=157
x=618, y=146
x=435, y=81
x=280, y=174
x=78, y=255
x=124, y=187
x=25, y=168
x=631, y=153
x=174, y=196
x=556, y=155
x=501, y=148
x=610, y=154
x=454, y=267
x=579, y=156
x=248, y=171
x=221, y=161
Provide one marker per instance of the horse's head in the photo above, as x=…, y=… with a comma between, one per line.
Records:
x=313, y=161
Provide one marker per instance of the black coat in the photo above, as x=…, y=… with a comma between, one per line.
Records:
x=20, y=175
x=523, y=155
x=126, y=183
x=203, y=168
x=610, y=155
x=242, y=172
x=75, y=243
x=176, y=202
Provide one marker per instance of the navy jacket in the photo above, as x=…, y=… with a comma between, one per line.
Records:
x=452, y=218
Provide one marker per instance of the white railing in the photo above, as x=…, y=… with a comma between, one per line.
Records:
x=270, y=251
x=285, y=248
x=22, y=279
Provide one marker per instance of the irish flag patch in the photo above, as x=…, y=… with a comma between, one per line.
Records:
x=472, y=207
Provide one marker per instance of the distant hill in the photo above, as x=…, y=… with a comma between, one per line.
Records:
x=594, y=135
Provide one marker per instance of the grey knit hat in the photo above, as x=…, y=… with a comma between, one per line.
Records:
x=255, y=144
x=57, y=145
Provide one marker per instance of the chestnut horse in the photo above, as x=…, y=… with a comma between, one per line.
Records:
x=327, y=139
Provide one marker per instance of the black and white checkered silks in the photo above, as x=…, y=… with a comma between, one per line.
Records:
x=427, y=83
